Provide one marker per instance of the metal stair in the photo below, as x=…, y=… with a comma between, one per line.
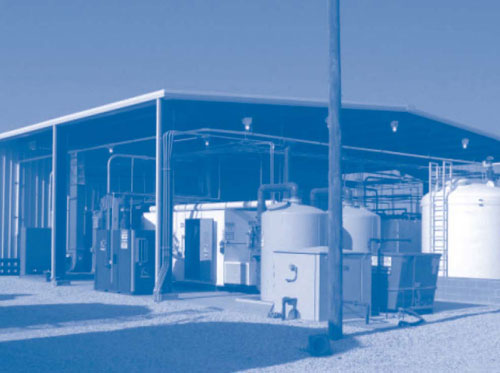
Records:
x=440, y=176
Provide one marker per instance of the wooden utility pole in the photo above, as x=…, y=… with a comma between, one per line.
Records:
x=334, y=176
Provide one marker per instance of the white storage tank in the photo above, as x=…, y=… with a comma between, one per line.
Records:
x=289, y=226
x=361, y=227
x=473, y=230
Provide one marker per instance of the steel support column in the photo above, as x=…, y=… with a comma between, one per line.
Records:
x=159, y=190
x=59, y=206
x=168, y=212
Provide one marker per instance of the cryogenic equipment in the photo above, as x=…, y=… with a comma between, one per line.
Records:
x=124, y=253
x=214, y=243
x=473, y=229
x=361, y=228
x=288, y=226
x=301, y=276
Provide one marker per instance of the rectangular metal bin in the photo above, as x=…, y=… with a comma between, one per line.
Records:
x=405, y=281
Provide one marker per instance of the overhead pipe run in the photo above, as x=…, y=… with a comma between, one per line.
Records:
x=165, y=196
x=132, y=157
x=324, y=144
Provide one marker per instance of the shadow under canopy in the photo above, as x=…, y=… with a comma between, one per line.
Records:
x=181, y=347
x=30, y=315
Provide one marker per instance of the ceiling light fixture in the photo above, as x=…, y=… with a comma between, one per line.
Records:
x=394, y=126
x=247, y=122
x=465, y=143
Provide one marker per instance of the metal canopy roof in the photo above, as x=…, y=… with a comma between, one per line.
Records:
x=363, y=125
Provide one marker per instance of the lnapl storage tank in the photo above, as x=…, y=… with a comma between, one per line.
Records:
x=473, y=229
x=288, y=226
x=361, y=229
x=401, y=234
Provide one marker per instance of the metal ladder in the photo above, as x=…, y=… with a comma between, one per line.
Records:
x=440, y=176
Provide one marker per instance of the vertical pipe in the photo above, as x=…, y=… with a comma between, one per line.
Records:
x=2, y=223
x=37, y=191
x=68, y=233
x=132, y=175
x=49, y=201
x=159, y=190
x=42, y=193
x=17, y=200
x=21, y=200
x=334, y=176
x=286, y=167
x=271, y=163
x=261, y=171
x=10, y=205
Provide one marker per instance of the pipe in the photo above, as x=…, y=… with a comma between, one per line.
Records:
x=319, y=143
x=127, y=156
x=313, y=195
x=111, y=145
x=40, y=158
x=286, y=168
x=167, y=211
x=374, y=190
x=291, y=188
x=249, y=205
x=2, y=226
x=11, y=194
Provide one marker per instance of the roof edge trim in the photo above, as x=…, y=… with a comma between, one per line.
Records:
x=84, y=114
x=449, y=122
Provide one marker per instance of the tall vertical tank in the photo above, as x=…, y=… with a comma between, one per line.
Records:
x=288, y=227
x=360, y=228
x=473, y=230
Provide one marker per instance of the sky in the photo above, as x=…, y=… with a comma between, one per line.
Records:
x=59, y=56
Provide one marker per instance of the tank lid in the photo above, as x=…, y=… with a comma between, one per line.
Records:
x=473, y=193
x=294, y=208
x=315, y=250
x=294, y=200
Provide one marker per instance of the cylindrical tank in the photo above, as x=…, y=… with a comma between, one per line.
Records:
x=288, y=227
x=401, y=234
x=473, y=229
x=360, y=228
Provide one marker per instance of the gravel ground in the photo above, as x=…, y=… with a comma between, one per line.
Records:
x=74, y=328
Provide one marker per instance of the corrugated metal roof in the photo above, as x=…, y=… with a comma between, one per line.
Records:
x=220, y=97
